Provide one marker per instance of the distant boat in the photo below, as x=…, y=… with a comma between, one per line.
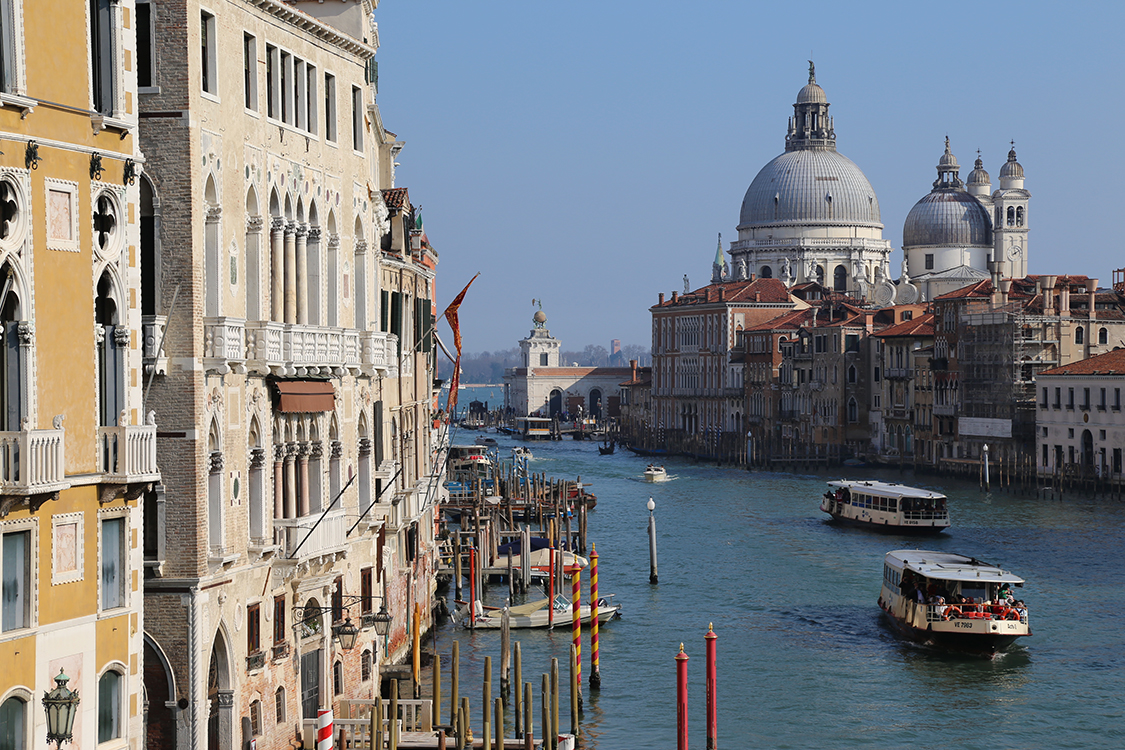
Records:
x=655, y=473
x=605, y=450
x=522, y=452
x=886, y=506
x=486, y=441
x=647, y=451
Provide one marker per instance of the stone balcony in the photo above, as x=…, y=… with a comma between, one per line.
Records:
x=127, y=454
x=327, y=537
x=224, y=345
x=288, y=350
x=155, y=358
x=31, y=463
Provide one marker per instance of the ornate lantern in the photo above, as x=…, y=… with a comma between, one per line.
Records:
x=61, y=705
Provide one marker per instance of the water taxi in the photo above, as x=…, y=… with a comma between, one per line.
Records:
x=655, y=473
x=886, y=506
x=468, y=459
x=522, y=452
x=952, y=601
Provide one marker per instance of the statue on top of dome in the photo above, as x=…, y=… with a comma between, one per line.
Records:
x=812, y=72
x=687, y=285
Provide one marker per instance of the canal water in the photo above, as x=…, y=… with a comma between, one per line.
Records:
x=804, y=659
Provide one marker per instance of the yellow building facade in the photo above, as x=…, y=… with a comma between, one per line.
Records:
x=76, y=451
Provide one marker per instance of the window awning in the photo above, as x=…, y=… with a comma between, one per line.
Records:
x=304, y=396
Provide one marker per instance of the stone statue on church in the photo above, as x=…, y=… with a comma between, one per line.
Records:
x=905, y=273
x=742, y=269
x=687, y=285
x=786, y=272
x=810, y=270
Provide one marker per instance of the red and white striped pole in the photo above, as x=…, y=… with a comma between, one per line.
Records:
x=324, y=729
x=712, y=714
x=681, y=700
x=595, y=674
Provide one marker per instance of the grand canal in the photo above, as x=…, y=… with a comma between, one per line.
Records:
x=804, y=658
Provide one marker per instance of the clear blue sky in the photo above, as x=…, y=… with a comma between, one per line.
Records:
x=588, y=153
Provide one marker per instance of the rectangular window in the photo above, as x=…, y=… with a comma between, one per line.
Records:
x=144, y=45
x=273, y=85
x=207, y=58
x=1058, y=398
x=1116, y=460
x=1101, y=401
x=1117, y=399
x=311, y=99
x=15, y=569
x=250, y=71
x=279, y=704
x=113, y=563
x=357, y=119
x=256, y=718
x=285, y=93
x=1070, y=399
x=102, y=63
x=329, y=107
x=1085, y=399
x=299, y=107
x=279, y=619
x=253, y=628
x=365, y=590
x=1043, y=403
x=929, y=261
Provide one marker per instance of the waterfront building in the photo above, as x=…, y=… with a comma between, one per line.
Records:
x=901, y=374
x=1079, y=422
x=952, y=234
x=636, y=401
x=545, y=387
x=77, y=444
x=696, y=389
x=811, y=214
x=295, y=289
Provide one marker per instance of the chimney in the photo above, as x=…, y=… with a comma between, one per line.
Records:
x=1092, y=290
x=1048, y=295
x=1005, y=287
x=757, y=296
x=675, y=297
x=1064, y=300
x=661, y=298
x=722, y=294
x=994, y=269
x=633, y=366
x=753, y=277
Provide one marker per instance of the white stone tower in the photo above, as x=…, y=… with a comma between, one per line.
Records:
x=539, y=348
x=1009, y=218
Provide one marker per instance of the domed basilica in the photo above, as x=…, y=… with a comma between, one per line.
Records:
x=811, y=215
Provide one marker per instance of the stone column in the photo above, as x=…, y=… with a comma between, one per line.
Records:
x=277, y=269
x=290, y=273
x=303, y=479
x=279, y=480
x=301, y=249
x=291, y=480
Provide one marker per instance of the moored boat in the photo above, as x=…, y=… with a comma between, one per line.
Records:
x=886, y=506
x=486, y=441
x=654, y=473
x=951, y=601
x=536, y=615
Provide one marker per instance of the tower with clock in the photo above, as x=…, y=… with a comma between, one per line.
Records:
x=1009, y=218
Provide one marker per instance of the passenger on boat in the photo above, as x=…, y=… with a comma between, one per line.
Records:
x=939, y=607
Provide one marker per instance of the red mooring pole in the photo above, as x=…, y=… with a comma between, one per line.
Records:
x=712, y=717
x=595, y=673
x=681, y=700
x=472, y=589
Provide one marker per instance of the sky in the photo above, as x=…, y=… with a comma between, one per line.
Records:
x=587, y=154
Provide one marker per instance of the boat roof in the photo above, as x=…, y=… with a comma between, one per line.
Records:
x=949, y=566
x=890, y=489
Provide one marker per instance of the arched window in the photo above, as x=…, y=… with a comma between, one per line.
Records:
x=215, y=490
x=1103, y=336
x=279, y=705
x=338, y=678
x=365, y=665
x=212, y=261
x=820, y=275
x=112, y=351
x=1011, y=216
x=364, y=480
x=332, y=271
x=13, y=724
x=999, y=216
x=109, y=706
x=312, y=266
x=277, y=260
x=360, y=277
x=253, y=257
x=840, y=279
x=766, y=273
x=13, y=359
x=1019, y=216
x=1079, y=335
x=853, y=374
x=853, y=410
x=256, y=484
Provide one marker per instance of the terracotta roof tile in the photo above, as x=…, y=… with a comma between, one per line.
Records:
x=396, y=198
x=923, y=326
x=757, y=291
x=1110, y=363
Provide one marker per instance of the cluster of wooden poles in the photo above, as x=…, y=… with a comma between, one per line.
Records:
x=493, y=708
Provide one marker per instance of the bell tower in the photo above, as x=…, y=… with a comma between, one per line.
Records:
x=1009, y=218
x=539, y=348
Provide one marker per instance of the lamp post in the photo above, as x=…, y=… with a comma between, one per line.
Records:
x=346, y=632
x=651, y=542
x=61, y=705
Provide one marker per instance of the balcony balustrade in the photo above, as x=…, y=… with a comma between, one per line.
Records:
x=288, y=350
x=945, y=410
x=898, y=373
x=154, y=357
x=224, y=345
x=127, y=454
x=31, y=462
x=328, y=537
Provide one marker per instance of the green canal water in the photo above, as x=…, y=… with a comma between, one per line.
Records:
x=804, y=659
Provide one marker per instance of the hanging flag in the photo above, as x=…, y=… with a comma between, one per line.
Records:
x=454, y=384
x=450, y=314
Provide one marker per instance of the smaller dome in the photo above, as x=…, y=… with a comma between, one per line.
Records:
x=1011, y=169
x=947, y=218
x=979, y=176
x=947, y=160
x=812, y=94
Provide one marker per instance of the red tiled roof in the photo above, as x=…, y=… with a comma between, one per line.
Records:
x=923, y=326
x=760, y=291
x=791, y=319
x=1110, y=363
x=396, y=198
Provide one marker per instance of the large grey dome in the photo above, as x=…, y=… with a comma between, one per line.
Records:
x=810, y=186
x=947, y=218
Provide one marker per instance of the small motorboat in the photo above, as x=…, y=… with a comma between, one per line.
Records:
x=655, y=473
x=536, y=615
x=522, y=453
x=951, y=601
x=886, y=506
x=486, y=441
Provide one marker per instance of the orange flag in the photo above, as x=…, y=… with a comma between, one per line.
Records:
x=450, y=314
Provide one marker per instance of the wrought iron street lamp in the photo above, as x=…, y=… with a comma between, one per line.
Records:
x=346, y=632
x=61, y=705
x=382, y=620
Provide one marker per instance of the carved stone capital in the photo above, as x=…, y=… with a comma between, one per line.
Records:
x=277, y=224
x=316, y=450
x=26, y=331
x=214, y=213
x=121, y=336
x=360, y=247
x=333, y=240
x=216, y=462
x=279, y=452
x=302, y=231
x=337, y=450
x=254, y=224
x=365, y=446
x=257, y=458
x=314, y=235
x=99, y=334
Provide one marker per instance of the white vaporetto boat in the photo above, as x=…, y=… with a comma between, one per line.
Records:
x=886, y=506
x=536, y=615
x=655, y=473
x=952, y=601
